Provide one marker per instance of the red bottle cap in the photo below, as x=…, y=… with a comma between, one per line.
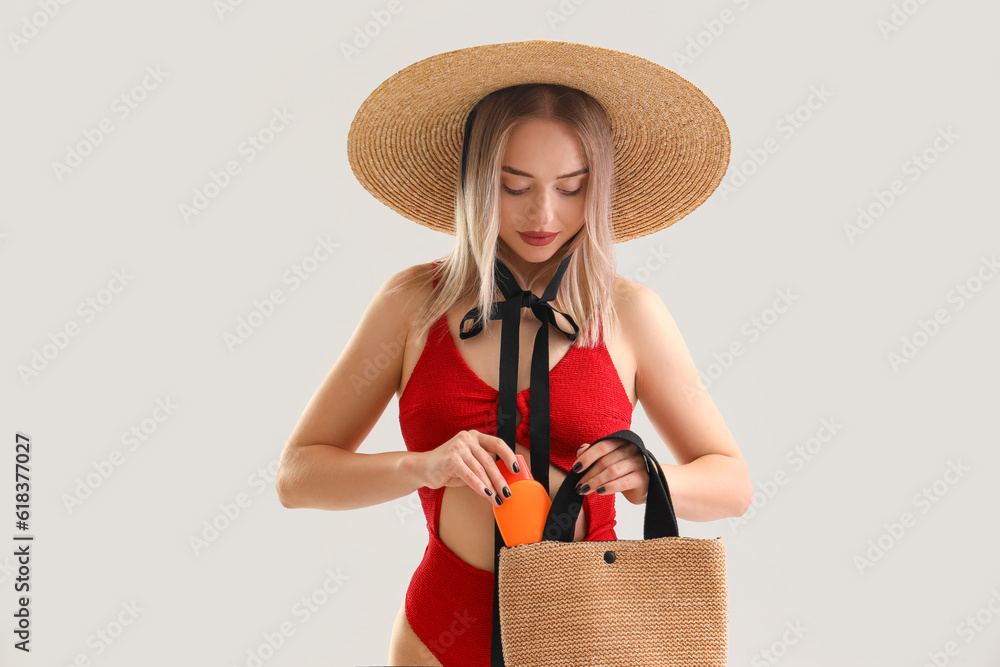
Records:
x=511, y=477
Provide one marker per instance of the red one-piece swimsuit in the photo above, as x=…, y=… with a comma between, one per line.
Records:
x=449, y=603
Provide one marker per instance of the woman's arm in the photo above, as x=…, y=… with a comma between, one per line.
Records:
x=710, y=480
x=319, y=466
x=330, y=478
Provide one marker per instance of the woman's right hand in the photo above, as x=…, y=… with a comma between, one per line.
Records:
x=469, y=458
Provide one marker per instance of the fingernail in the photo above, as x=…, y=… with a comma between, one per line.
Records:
x=576, y=468
x=586, y=487
x=499, y=500
x=601, y=490
x=488, y=492
x=506, y=492
x=516, y=468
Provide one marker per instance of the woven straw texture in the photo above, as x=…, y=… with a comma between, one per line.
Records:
x=671, y=143
x=660, y=602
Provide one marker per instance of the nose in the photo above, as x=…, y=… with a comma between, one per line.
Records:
x=541, y=209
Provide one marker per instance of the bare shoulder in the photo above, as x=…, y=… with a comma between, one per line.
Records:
x=410, y=281
x=405, y=291
x=625, y=291
x=646, y=322
x=636, y=306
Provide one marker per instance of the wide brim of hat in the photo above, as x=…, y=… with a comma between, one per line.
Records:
x=671, y=142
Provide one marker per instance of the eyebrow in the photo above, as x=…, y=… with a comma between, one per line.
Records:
x=518, y=172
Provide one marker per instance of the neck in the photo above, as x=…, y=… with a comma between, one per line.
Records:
x=520, y=268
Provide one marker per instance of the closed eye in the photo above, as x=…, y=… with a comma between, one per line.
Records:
x=521, y=192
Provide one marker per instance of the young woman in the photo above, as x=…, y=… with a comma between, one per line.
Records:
x=534, y=195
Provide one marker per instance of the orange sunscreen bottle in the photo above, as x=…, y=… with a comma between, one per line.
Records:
x=521, y=518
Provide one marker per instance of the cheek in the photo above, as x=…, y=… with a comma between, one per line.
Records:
x=511, y=211
x=576, y=209
x=505, y=215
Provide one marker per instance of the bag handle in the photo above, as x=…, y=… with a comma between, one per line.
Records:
x=660, y=520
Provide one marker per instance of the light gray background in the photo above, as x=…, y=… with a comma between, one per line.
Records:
x=793, y=561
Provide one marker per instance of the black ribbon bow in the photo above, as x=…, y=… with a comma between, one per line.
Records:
x=509, y=312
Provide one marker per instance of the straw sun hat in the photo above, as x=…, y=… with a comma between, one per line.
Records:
x=671, y=143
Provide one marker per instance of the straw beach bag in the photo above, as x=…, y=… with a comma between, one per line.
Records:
x=661, y=600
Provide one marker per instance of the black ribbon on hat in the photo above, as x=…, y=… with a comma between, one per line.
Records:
x=509, y=312
x=469, y=120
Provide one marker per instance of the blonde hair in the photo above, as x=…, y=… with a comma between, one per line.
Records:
x=466, y=274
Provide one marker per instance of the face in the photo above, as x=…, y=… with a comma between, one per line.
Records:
x=543, y=188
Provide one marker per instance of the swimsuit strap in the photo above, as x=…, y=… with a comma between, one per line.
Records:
x=509, y=312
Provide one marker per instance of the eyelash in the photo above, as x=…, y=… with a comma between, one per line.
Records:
x=517, y=193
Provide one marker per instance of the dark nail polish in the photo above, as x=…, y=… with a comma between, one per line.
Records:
x=577, y=489
x=499, y=500
x=488, y=492
x=576, y=468
x=586, y=487
x=506, y=492
x=601, y=490
x=516, y=467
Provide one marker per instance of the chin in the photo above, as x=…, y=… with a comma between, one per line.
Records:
x=539, y=250
x=533, y=254
x=538, y=255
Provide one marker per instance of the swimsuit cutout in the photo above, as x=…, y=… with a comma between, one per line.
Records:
x=449, y=603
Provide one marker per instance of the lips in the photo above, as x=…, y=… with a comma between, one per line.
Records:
x=537, y=238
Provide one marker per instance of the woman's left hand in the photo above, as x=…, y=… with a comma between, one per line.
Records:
x=618, y=466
